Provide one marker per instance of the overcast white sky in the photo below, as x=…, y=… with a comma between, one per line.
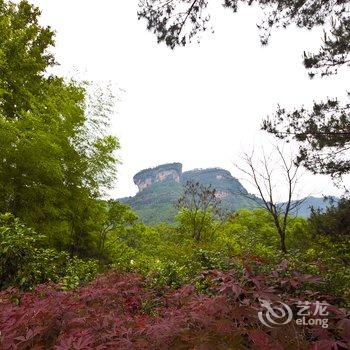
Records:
x=199, y=105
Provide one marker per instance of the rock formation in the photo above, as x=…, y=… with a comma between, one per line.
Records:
x=148, y=177
x=222, y=180
x=218, y=178
x=160, y=188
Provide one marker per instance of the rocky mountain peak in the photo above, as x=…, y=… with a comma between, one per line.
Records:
x=147, y=177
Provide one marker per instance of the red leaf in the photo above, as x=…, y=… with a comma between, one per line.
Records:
x=259, y=338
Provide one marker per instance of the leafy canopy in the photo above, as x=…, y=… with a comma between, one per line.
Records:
x=55, y=155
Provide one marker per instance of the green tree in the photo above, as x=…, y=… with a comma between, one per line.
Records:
x=322, y=133
x=24, y=57
x=115, y=218
x=199, y=207
x=334, y=222
x=25, y=261
x=55, y=156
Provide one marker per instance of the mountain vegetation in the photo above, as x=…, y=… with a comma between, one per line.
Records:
x=78, y=271
x=156, y=203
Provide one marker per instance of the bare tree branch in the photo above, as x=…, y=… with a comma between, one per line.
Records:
x=265, y=182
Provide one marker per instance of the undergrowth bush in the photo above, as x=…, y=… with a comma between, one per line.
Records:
x=25, y=261
x=119, y=311
x=167, y=256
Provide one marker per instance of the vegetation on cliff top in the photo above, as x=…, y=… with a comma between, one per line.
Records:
x=155, y=204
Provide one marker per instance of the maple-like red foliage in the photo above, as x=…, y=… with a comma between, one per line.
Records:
x=119, y=311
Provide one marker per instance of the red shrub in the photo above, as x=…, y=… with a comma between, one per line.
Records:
x=118, y=311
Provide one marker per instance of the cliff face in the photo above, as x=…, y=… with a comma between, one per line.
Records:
x=218, y=178
x=222, y=180
x=161, y=173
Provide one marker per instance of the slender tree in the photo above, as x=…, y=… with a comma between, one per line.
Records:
x=271, y=178
x=199, y=206
x=115, y=217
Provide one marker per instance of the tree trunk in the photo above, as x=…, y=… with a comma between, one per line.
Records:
x=283, y=242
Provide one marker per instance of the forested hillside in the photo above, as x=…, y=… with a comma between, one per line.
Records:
x=161, y=187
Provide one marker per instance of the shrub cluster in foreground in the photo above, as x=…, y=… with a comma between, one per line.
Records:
x=172, y=292
x=120, y=311
x=26, y=260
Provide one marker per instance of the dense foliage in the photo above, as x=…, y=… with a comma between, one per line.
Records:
x=199, y=207
x=333, y=222
x=25, y=259
x=191, y=293
x=55, y=157
x=170, y=255
x=119, y=311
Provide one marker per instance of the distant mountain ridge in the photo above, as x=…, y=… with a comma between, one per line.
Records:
x=160, y=187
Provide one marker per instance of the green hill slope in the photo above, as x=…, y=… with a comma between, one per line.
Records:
x=160, y=188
